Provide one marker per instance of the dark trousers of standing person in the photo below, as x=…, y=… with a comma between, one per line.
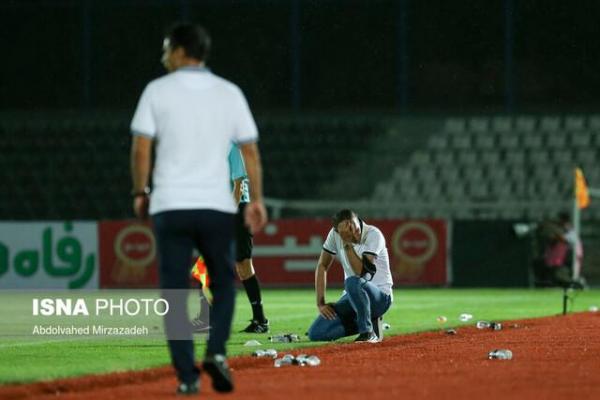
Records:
x=177, y=234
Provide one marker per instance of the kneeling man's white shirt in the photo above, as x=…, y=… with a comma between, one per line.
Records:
x=371, y=242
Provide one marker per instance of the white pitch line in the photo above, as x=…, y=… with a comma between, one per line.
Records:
x=37, y=343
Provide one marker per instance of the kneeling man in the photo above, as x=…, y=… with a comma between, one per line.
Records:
x=361, y=250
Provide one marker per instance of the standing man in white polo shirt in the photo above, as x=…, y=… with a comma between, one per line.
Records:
x=192, y=116
x=361, y=250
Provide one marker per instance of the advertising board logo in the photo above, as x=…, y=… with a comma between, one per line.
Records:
x=413, y=245
x=135, y=250
x=56, y=254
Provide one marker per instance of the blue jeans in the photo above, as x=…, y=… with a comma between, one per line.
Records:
x=362, y=302
x=177, y=233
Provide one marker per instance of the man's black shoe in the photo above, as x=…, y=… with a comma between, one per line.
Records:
x=216, y=366
x=187, y=389
x=257, y=327
x=368, y=337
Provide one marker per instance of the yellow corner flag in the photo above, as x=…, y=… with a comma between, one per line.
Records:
x=581, y=190
x=200, y=273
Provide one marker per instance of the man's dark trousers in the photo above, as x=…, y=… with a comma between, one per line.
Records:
x=211, y=232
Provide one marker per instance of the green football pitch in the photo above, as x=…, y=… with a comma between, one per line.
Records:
x=290, y=311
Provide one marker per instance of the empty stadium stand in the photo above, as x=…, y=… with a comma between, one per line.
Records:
x=75, y=166
x=496, y=168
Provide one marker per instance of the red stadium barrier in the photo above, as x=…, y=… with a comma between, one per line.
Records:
x=285, y=253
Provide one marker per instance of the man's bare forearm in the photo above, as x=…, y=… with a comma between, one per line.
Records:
x=140, y=163
x=320, y=284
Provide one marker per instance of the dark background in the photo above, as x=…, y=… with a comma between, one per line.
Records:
x=306, y=55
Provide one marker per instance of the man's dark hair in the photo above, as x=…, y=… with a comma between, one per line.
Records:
x=193, y=38
x=342, y=215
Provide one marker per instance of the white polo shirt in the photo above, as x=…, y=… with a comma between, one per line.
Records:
x=371, y=242
x=193, y=117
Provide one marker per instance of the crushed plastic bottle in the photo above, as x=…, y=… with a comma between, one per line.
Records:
x=483, y=325
x=500, y=354
x=271, y=353
x=497, y=326
x=300, y=360
x=281, y=362
x=465, y=317
x=313, y=361
x=258, y=353
x=265, y=353
x=286, y=338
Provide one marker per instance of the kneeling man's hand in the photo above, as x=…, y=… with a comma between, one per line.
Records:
x=327, y=311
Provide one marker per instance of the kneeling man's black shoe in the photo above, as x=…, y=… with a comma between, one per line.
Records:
x=368, y=337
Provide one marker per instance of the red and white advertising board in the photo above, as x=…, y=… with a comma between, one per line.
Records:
x=127, y=255
x=285, y=252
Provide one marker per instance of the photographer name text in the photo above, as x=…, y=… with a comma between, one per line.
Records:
x=89, y=330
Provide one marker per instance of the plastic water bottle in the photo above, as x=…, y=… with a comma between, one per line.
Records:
x=465, y=317
x=483, y=325
x=313, y=361
x=496, y=326
x=288, y=359
x=281, y=362
x=500, y=354
x=265, y=353
x=258, y=353
x=304, y=359
x=271, y=353
x=287, y=338
x=300, y=360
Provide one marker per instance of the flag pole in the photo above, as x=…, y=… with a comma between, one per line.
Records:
x=575, y=267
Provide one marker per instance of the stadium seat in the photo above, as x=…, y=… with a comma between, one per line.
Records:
x=479, y=124
x=467, y=158
x=484, y=142
x=516, y=157
x=575, y=123
x=557, y=141
x=594, y=122
x=533, y=141
x=461, y=141
x=581, y=139
x=490, y=158
x=550, y=124
x=455, y=125
x=508, y=141
x=525, y=124
x=501, y=124
x=438, y=142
